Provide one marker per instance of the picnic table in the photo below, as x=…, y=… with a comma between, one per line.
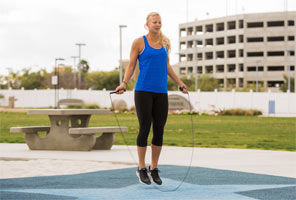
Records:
x=69, y=130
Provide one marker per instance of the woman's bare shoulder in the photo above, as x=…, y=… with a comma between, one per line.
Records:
x=139, y=43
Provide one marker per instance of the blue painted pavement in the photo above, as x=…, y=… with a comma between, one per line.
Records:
x=202, y=184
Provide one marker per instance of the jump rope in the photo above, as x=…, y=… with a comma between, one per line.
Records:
x=192, y=152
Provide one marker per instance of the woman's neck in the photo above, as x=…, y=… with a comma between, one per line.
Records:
x=153, y=36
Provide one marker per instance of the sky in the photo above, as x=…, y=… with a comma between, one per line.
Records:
x=35, y=32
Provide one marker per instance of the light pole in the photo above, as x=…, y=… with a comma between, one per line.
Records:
x=74, y=69
x=79, y=64
x=289, y=52
x=195, y=58
x=55, y=81
x=120, y=59
x=257, y=63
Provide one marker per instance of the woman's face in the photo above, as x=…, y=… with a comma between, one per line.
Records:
x=154, y=24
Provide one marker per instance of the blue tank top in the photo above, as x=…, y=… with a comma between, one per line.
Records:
x=153, y=69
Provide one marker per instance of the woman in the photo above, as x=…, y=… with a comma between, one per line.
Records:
x=151, y=99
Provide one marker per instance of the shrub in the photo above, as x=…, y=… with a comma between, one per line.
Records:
x=74, y=107
x=241, y=112
x=92, y=106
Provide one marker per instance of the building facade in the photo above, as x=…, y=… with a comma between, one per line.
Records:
x=240, y=50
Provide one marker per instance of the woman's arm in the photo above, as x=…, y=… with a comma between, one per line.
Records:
x=173, y=76
x=130, y=68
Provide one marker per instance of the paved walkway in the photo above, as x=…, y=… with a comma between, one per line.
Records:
x=231, y=174
x=277, y=163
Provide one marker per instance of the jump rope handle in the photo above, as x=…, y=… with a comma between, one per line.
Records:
x=181, y=89
x=115, y=92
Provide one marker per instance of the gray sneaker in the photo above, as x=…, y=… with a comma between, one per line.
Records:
x=143, y=176
x=155, y=176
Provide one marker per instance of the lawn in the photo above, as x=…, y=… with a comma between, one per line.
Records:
x=209, y=131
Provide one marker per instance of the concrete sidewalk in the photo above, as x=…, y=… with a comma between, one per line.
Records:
x=277, y=163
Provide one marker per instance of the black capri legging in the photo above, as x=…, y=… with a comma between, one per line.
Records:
x=151, y=108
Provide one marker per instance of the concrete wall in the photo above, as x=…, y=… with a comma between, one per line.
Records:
x=285, y=103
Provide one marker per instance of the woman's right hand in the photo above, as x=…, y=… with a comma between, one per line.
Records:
x=121, y=88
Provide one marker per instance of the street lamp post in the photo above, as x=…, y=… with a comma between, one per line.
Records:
x=56, y=81
x=195, y=58
x=295, y=71
x=289, y=52
x=120, y=59
x=257, y=63
x=79, y=64
x=74, y=70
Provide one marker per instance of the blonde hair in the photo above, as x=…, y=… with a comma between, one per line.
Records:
x=163, y=40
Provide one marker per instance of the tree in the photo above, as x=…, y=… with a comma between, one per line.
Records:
x=172, y=86
x=101, y=80
x=284, y=87
x=32, y=80
x=84, y=67
x=205, y=83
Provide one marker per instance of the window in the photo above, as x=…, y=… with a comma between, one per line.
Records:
x=209, y=55
x=182, y=45
x=291, y=22
x=275, y=23
x=189, y=57
x=231, y=68
x=253, y=68
x=275, y=83
x=241, y=67
x=255, y=39
x=220, y=41
x=182, y=32
x=275, y=68
x=291, y=38
x=291, y=68
x=209, y=28
x=241, y=82
x=241, y=53
x=221, y=82
x=220, y=54
x=199, y=69
x=231, y=53
x=183, y=70
x=220, y=26
x=189, y=70
x=255, y=54
x=255, y=24
x=182, y=57
x=209, y=42
x=241, y=23
x=220, y=68
x=291, y=53
x=189, y=44
x=231, y=39
x=199, y=56
x=209, y=69
x=241, y=38
x=231, y=25
x=276, y=39
x=198, y=29
x=275, y=53
x=189, y=30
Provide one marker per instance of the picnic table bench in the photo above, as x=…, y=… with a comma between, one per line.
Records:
x=69, y=130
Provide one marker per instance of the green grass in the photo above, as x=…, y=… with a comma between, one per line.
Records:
x=209, y=131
